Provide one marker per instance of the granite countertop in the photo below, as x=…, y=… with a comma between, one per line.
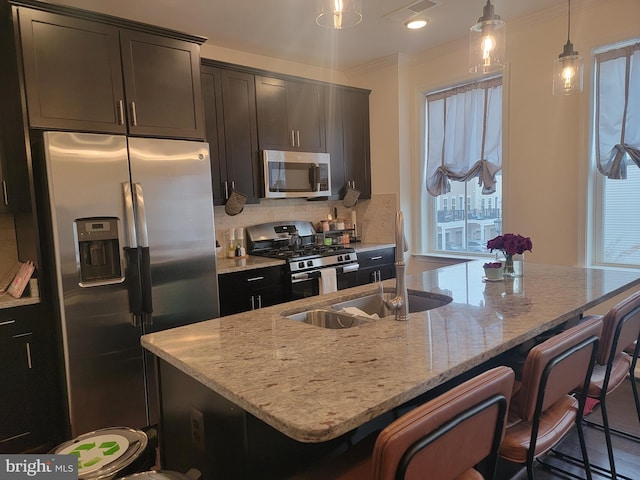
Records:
x=314, y=384
x=250, y=262
x=7, y=301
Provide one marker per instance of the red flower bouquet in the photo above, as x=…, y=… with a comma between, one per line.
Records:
x=510, y=244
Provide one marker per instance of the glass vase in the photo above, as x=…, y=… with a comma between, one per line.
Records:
x=514, y=265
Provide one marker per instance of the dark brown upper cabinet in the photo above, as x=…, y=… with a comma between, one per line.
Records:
x=348, y=140
x=89, y=75
x=290, y=115
x=230, y=113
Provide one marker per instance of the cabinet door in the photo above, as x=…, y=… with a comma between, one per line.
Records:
x=162, y=84
x=72, y=73
x=290, y=115
x=240, y=135
x=347, y=112
x=306, y=113
x=273, y=121
x=250, y=289
x=355, y=125
x=211, y=80
x=17, y=385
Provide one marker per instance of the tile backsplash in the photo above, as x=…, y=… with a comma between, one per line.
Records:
x=375, y=218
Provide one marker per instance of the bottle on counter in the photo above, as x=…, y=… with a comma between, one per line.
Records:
x=231, y=250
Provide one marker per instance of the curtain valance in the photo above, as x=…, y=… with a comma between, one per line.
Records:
x=617, y=129
x=464, y=135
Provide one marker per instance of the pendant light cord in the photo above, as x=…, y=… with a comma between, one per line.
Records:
x=569, y=23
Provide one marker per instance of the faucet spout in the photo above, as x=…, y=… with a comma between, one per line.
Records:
x=399, y=303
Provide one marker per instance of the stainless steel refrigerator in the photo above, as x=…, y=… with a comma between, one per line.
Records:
x=134, y=243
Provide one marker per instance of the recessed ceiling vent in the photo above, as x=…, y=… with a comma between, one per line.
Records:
x=405, y=13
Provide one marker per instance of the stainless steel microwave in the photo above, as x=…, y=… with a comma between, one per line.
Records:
x=296, y=174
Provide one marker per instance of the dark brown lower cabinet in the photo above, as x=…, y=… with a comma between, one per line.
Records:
x=251, y=289
x=30, y=415
x=376, y=265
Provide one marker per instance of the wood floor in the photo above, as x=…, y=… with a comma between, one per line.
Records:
x=623, y=416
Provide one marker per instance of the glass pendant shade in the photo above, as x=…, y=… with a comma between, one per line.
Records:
x=568, y=72
x=568, y=67
x=487, y=40
x=339, y=14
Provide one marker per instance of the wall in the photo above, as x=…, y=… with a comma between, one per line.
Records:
x=546, y=137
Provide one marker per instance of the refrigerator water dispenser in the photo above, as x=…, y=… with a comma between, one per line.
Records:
x=98, y=251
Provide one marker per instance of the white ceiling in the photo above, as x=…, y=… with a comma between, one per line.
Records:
x=286, y=28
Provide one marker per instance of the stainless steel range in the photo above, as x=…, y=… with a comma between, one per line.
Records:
x=295, y=242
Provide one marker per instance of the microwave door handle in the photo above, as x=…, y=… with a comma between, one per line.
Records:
x=314, y=175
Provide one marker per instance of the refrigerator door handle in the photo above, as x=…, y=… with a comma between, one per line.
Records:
x=134, y=287
x=129, y=215
x=145, y=259
x=142, y=216
x=145, y=285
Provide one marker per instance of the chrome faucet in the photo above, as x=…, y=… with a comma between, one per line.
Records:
x=399, y=303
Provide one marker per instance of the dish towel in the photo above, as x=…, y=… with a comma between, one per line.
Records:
x=327, y=280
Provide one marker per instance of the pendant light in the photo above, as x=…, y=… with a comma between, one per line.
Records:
x=568, y=67
x=487, y=42
x=339, y=14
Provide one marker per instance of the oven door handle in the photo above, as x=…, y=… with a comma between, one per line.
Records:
x=301, y=277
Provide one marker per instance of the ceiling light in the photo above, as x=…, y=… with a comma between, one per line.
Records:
x=339, y=14
x=568, y=67
x=487, y=42
x=417, y=22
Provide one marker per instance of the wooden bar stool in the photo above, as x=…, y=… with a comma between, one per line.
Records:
x=542, y=409
x=443, y=438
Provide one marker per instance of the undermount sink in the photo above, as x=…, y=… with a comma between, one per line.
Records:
x=371, y=306
x=328, y=319
x=374, y=305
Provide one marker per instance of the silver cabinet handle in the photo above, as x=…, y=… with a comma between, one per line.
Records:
x=7, y=322
x=259, y=301
x=134, y=116
x=226, y=190
x=253, y=279
x=253, y=306
x=233, y=185
x=293, y=138
x=121, y=112
x=376, y=258
x=298, y=137
x=5, y=195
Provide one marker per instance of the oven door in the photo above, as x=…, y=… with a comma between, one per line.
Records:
x=307, y=284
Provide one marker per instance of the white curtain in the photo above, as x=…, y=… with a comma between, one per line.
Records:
x=618, y=110
x=464, y=136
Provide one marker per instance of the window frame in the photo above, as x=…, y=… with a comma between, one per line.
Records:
x=425, y=220
x=595, y=221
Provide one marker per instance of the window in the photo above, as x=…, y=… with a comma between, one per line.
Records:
x=615, y=221
x=463, y=159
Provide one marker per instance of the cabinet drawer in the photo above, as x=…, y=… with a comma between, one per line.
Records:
x=376, y=258
x=16, y=321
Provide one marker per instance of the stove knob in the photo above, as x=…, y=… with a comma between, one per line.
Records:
x=309, y=263
x=339, y=258
x=347, y=258
x=300, y=264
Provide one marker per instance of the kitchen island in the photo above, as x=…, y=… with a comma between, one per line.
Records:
x=272, y=376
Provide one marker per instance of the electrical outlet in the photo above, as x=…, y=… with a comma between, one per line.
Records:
x=197, y=428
